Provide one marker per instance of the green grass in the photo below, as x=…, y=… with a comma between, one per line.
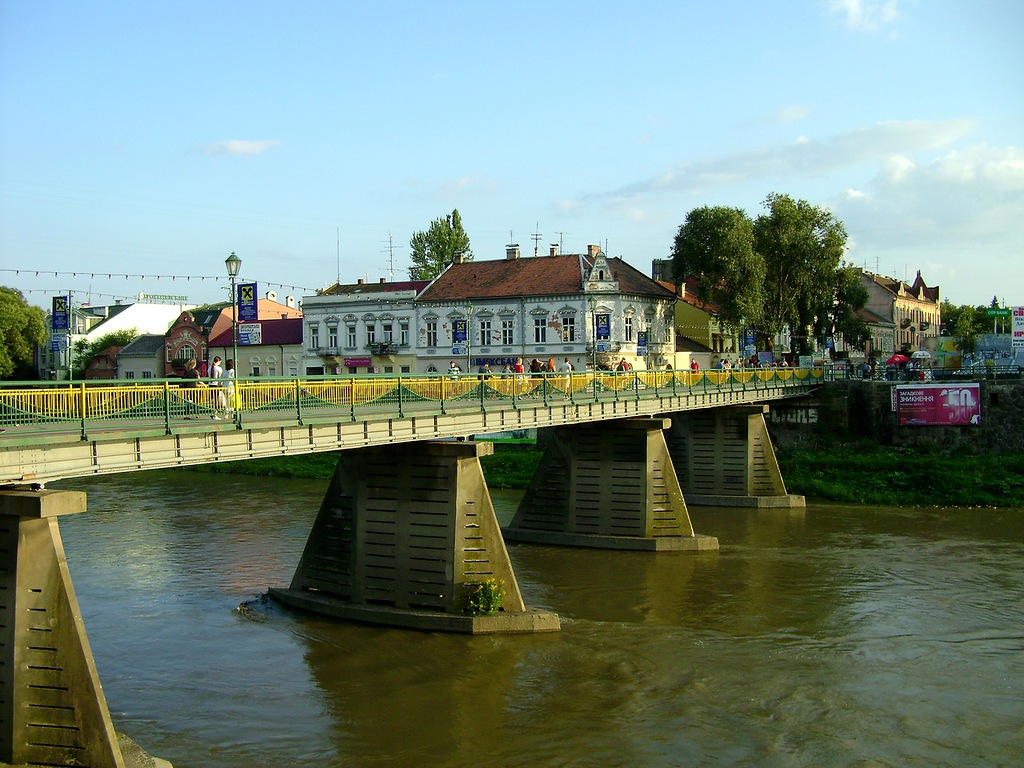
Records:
x=865, y=473
x=858, y=473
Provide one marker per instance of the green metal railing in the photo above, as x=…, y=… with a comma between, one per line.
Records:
x=90, y=406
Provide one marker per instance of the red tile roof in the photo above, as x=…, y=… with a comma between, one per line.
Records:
x=537, y=276
x=275, y=332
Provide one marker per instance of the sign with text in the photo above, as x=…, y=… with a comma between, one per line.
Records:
x=1018, y=327
x=248, y=304
x=937, y=405
x=603, y=325
x=641, y=343
x=459, y=331
x=250, y=334
x=60, y=316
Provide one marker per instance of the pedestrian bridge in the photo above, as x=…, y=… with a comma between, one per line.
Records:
x=406, y=534
x=56, y=431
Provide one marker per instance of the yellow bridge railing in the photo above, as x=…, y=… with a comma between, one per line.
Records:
x=51, y=407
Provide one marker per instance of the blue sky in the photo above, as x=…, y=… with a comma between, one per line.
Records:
x=155, y=138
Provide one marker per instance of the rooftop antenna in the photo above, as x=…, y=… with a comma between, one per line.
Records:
x=338, y=278
x=561, y=239
x=391, y=257
x=536, y=240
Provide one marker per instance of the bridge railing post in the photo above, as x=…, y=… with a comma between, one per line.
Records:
x=298, y=401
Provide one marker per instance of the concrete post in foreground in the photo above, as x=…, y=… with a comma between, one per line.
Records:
x=52, y=708
x=724, y=458
x=404, y=535
x=607, y=485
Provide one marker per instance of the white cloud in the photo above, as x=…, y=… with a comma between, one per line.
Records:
x=855, y=194
x=792, y=114
x=239, y=147
x=866, y=15
x=804, y=157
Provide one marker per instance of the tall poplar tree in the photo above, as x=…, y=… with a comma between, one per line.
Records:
x=433, y=250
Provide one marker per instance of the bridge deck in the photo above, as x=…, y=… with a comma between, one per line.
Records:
x=53, y=432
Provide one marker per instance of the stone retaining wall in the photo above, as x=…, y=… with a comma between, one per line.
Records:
x=863, y=410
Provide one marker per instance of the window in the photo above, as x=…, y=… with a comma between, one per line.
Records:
x=350, y=336
x=485, y=333
x=255, y=370
x=147, y=374
x=568, y=329
x=371, y=335
x=431, y=333
x=293, y=370
x=540, y=325
x=508, y=335
x=271, y=370
x=628, y=323
x=332, y=336
x=314, y=337
x=388, y=336
x=403, y=330
x=129, y=374
x=405, y=369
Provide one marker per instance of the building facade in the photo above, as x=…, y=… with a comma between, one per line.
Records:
x=588, y=307
x=913, y=309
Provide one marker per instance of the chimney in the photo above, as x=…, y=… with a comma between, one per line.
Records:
x=359, y=281
x=457, y=258
x=383, y=279
x=512, y=252
x=272, y=295
x=554, y=250
x=593, y=250
x=290, y=301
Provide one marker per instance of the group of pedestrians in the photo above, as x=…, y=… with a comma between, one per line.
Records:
x=222, y=378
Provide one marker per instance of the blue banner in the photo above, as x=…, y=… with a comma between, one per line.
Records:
x=603, y=321
x=60, y=316
x=248, y=304
x=641, y=343
x=459, y=331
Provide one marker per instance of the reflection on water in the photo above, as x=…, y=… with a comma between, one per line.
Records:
x=831, y=636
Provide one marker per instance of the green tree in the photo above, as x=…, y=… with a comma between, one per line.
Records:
x=84, y=351
x=716, y=245
x=22, y=329
x=438, y=247
x=802, y=246
x=843, y=317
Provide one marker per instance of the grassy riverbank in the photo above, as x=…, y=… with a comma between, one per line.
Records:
x=867, y=473
x=861, y=473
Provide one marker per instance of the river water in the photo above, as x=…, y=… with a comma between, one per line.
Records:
x=831, y=636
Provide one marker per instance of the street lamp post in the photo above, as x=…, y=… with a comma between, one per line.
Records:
x=233, y=264
x=469, y=338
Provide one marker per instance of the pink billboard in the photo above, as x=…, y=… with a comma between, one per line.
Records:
x=937, y=404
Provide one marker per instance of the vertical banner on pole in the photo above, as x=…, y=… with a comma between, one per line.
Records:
x=248, y=304
x=60, y=316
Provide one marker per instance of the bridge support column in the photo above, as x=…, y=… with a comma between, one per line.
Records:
x=724, y=458
x=609, y=485
x=52, y=708
x=404, y=537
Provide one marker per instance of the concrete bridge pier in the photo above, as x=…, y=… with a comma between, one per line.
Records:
x=404, y=537
x=52, y=708
x=724, y=458
x=607, y=485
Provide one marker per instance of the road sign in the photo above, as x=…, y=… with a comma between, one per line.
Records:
x=997, y=312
